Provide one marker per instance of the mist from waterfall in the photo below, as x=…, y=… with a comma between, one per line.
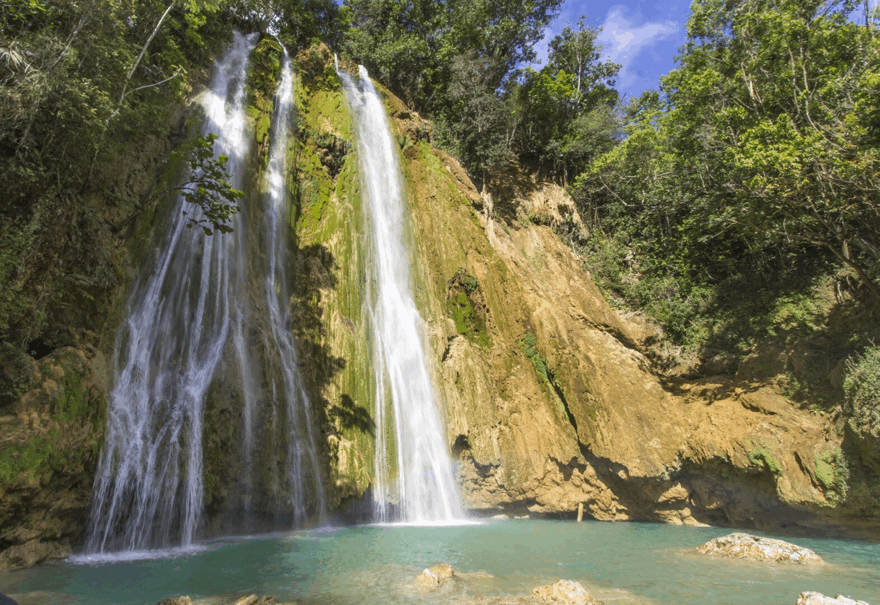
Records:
x=424, y=489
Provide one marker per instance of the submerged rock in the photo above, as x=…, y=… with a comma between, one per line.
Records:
x=184, y=600
x=817, y=598
x=255, y=600
x=434, y=576
x=564, y=592
x=744, y=546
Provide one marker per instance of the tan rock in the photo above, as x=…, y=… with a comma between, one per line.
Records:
x=744, y=546
x=816, y=598
x=255, y=600
x=32, y=552
x=432, y=577
x=564, y=592
x=176, y=601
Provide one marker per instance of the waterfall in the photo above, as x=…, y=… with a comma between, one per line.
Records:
x=425, y=488
x=148, y=489
x=198, y=307
x=302, y=459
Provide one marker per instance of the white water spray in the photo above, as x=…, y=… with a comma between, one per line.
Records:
x=425, y=488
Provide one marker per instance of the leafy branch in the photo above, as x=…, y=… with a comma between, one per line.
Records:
x=208, y=188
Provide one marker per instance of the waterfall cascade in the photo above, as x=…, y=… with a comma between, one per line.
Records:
x=425, y=488
x=195, y=310
x=302, y=459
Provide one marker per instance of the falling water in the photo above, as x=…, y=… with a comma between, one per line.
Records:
x=302, y=461
x=148, y=489
x=200, y=308
x=425, y=489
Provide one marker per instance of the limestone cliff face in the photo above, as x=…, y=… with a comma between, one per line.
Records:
x=549, y=400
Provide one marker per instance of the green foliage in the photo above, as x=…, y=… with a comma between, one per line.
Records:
x=456, y=60
x=762, y=458
x=757, y=162
x=862, y=388
x=468, y=321
x=209, y=188
x=566, y=111
x=530, y=347
x=833, y=474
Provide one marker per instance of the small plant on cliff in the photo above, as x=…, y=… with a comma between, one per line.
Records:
x=760, y=457
x=833, y=474
x=862, y=388
x=530, y=348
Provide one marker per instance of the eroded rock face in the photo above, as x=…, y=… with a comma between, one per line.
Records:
x=817, y=598
x=744, y=546
x=550, y=401
x=48, y=454
x=564, y=592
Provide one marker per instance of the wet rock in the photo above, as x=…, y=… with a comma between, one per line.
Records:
x=256, y=600
x=817, y=598
x=564, y=592
x=433, y=577
x=744, y=546
x=176, y=601
x=32, y=552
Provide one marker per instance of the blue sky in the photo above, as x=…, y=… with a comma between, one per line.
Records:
x=643, y=37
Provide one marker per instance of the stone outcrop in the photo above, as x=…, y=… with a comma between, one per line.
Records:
x=564, y=592
x=817, y=598
x=248, y=600
x=744, y=546
x=49, y=443
x=176, y=601
x=433, y=577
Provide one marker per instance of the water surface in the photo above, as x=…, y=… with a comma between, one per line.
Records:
x=617, y=562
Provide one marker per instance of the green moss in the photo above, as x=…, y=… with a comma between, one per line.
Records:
x=32, y=461
x=529, y=344
x=265, y=69
x=833, y=474
x=760, y=457
x=460, y=307
x=73, y=404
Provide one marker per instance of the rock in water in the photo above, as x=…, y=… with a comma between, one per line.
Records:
x=817, y=598
x=744, y=546
x=434, y=576
x=564, y=592
x=176, y=601
x=255, y=600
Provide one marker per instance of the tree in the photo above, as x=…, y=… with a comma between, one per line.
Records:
x=775, y=105
x=568, y=106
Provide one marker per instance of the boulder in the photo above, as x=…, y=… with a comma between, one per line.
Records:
x=434, y=576
x=744, y=546
x=33, y=552
x=255, y=600
x=176, y=601
x=817, y=598
x=564, y=592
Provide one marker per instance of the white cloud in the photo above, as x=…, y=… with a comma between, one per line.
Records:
x=624, y=39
